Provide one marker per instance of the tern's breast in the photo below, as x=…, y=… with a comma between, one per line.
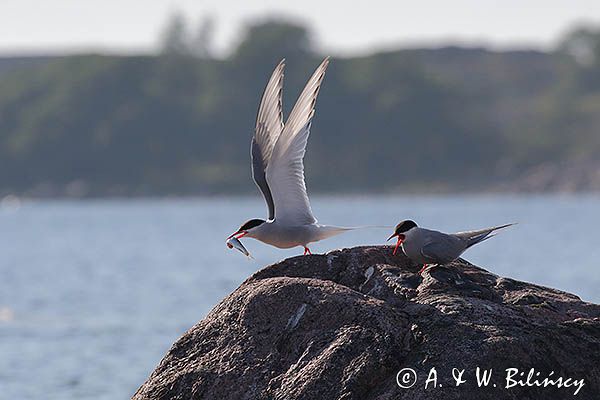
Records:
x=412, y=246
x=283, y=236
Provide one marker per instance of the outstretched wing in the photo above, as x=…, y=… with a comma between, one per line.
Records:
x=285, y=172
x=269, y=124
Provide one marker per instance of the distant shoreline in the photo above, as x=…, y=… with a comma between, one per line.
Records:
x=11, y=200
x=549, y=178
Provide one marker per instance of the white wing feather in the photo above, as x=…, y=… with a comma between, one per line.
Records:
x=269, y=125
x=269, y=121
x=285, y=171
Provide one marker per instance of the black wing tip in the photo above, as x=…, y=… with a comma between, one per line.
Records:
x=506, y=225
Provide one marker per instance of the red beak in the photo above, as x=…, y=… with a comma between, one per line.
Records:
x=400, y=240
x=240, y=233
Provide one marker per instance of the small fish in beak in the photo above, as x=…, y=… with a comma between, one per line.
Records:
x=233, y=242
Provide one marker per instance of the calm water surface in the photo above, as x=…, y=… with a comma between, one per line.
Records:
x=92, y=294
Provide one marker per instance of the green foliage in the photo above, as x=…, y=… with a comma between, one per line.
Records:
x=444, y=118
x=177, y=38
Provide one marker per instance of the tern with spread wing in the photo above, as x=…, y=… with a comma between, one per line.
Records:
x=278, y=169
x=428, y=247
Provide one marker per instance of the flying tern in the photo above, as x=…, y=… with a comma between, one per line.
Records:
x=277, y=151
x=429, y=247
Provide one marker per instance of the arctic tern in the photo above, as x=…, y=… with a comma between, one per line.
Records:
x=429, y=247
x=277, y=152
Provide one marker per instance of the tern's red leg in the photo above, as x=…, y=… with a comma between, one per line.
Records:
x=307, y=250
x=423, y=269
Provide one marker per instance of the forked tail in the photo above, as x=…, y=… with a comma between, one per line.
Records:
x=327, y=231
x=478, y=236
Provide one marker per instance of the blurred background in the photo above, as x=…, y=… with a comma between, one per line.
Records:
x=124, y=157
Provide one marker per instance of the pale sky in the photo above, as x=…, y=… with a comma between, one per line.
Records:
x=340, y=27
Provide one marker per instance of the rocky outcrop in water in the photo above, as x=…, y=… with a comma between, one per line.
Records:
x=343, y=325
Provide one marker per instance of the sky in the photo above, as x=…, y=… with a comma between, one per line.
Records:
x=340, y=27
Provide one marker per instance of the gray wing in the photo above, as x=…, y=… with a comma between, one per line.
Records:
x=285, y=172
x=443, y=248
x=269, y=124
x=478, y=236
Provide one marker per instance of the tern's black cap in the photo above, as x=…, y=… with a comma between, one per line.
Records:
x=405, y=226
x=252, y=223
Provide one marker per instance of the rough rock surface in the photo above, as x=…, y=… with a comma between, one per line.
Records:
x=342, y=325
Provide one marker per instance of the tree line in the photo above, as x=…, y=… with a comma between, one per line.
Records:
x=180, y=122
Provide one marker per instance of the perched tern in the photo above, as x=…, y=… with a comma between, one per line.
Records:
x=428, y=247
x=277, y=152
